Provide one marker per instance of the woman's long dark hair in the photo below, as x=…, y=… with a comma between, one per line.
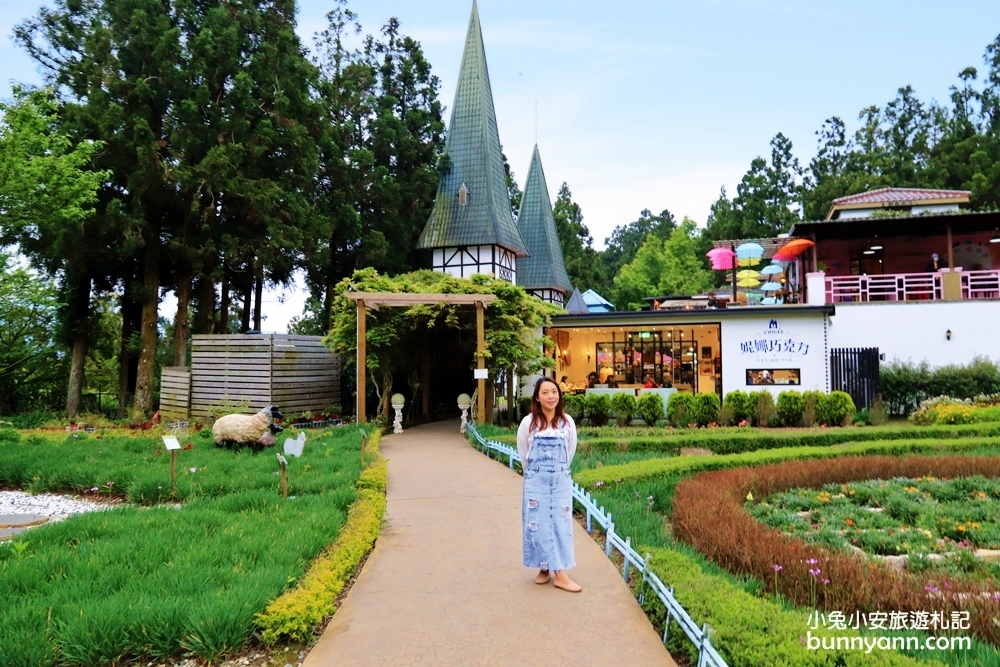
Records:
x=538, y=420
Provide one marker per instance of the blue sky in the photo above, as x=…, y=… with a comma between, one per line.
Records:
x=658, y=104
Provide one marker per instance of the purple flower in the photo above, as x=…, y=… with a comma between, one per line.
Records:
x=193, y=470
x=814, y=572
x=598, y=484
x=109, y=484
x=777, y=568
x=826, y=581
x=931, y=589
x=92, y=490
x=812, y=561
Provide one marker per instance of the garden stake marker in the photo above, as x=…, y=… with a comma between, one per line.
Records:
x=170, y=442
x=284, y=474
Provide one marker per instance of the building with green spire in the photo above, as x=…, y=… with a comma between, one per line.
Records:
x=543, y=273
x=471, y=228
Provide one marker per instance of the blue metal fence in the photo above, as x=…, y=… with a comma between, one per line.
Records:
x=699, y=636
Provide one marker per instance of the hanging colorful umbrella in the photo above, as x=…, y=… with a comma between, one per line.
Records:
x=750, y=251
x=747, y=273
x=771, y=270
x=748, y=261
x=792, y=249
x=722, y=259
x=771, y=286
x=748, y=282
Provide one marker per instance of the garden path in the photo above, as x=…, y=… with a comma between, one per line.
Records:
x=444, y=584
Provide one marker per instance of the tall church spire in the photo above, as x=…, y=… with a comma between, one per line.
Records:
x=544, y=272
x=471, y=229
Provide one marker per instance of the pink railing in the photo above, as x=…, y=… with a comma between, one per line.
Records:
x=909, y=287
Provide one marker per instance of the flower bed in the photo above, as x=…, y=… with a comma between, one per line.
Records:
x=955, y=518
x=708, y=514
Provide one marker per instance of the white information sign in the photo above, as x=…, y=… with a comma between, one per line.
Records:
x=170, y=442
x=481, y=374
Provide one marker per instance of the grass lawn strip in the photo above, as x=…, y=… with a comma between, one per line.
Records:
x=297, y=613
x=689, y=465
x=155, y=579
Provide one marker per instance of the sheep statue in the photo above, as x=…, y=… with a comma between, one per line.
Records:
x=268, y=439
x=240, y=429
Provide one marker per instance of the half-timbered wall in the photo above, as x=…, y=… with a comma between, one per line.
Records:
x=464, y=261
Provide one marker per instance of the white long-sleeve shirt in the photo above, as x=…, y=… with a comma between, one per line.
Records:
x=524, y=438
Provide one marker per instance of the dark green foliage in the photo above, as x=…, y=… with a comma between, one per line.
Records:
x=741, y=406
x=905, y=384
x=790, y=407
x=10, y=435
x=650, y=408
x=706, y=408
x=810, y=404
x=681, y=409
x=156, y=581
x=583, y=263
x=573, y=404
x=624, y=406
x=625, y=240
x=835, y=409
x=763, y=411
x=599, y=409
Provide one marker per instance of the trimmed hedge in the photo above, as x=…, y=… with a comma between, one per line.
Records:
x=297, y=612
x=706, y=409
x=650, y=408
x=680, y=409
x=835, y=409
x=662, y=467
x=599, y=409
x=750, y=631
x=623, y=406
x=790, y=407
x=740, y=405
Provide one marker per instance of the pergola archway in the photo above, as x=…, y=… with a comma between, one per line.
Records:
x=375, y=300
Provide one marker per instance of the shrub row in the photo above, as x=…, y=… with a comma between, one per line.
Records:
x=297, y=612
x=946, y=410
x=662, y=467
x=794, y=408
x=748, y=630
x=905, y=385
x=708, y=514
x=746, y=440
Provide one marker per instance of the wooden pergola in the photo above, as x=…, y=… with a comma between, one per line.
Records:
x=375, y=300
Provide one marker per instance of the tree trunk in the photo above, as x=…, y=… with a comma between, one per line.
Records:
x=258, y=297
x=147, y=333
x=124, y=357
x=324, y=318
x=204, y=313
x=511, y=407
x=247, y=302
x=78, y=315
x=182, y=319
x=224, y=305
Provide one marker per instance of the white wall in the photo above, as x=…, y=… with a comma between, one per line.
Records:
x=797, y=341
x=916, y=330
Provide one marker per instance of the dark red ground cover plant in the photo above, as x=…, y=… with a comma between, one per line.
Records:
x=709, y=514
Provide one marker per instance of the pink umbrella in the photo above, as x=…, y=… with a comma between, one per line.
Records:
x=723, y=259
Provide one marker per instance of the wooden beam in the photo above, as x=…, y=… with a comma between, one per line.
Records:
x=361, y=361
x=407, y=299
x=480, y=362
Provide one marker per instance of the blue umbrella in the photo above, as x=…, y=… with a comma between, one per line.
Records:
x=772, y=269
x=771, y=286
x=749, y=250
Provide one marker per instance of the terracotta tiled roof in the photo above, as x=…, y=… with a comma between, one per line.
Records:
x=901, y=196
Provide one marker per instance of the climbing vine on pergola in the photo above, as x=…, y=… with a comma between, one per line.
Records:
x=407, y=305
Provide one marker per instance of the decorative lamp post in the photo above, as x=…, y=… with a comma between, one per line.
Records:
x=464, y=403
x=398, y=402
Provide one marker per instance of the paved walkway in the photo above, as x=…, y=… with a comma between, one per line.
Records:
x=444, y=584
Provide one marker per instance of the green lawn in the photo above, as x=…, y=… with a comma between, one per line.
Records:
x=173, y=570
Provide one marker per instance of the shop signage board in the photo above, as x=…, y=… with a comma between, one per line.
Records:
x=775, y=353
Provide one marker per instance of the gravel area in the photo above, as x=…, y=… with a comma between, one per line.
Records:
x=52, y=505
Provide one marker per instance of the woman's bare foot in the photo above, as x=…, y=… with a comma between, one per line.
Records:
x=543, y=577
x=563, y=581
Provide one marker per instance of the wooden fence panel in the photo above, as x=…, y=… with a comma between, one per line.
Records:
x=175, y=392
x=297, y=373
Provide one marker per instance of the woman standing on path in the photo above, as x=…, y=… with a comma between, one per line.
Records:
x=546, y=442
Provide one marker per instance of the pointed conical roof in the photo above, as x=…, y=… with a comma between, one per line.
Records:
x=576, y=305
x=545, y=267
x=473, y=149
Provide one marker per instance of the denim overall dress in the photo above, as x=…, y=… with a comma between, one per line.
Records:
x=547, y=504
